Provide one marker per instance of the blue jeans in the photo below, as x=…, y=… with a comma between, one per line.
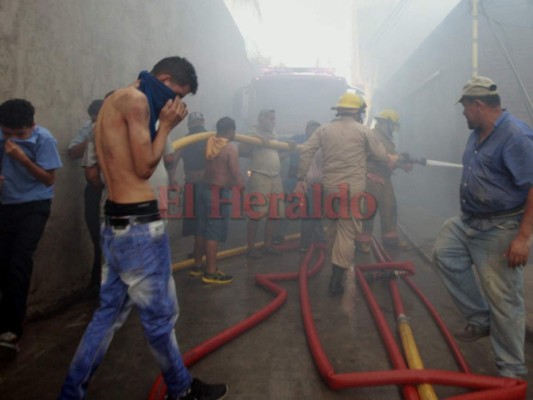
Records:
x=496, y=299
x=137, y=272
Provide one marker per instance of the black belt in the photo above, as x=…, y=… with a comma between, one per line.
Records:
x=262, y=173
x=122, y=222
x=498, y=214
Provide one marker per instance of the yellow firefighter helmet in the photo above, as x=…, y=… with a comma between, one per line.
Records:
x=389, y=115
x=350, y=102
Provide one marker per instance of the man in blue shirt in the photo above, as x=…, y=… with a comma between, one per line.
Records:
x=28, y=160
x=493, y=232
x=310, y=228
x=92, y=193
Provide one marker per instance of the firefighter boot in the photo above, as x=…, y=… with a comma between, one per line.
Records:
x=336, y=283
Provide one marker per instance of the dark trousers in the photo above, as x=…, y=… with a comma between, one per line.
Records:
x=92, y=219
x=21, y=228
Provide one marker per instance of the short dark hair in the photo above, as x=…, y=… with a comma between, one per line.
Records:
x=492, y=100
x=180, y=70
x=17, y=113
x=94, y=107
x=225, y=125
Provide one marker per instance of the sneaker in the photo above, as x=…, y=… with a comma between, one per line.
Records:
x=9, y=345
x=203, y=391
x=363, y=247
x=218, y=277
x=271, y=251
x=471, y=333
x=197, y=271
x=254, y=254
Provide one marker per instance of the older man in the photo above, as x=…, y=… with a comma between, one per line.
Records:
x=493, y=233
x=265, y=182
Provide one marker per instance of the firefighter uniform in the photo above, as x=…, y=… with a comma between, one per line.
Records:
x=379, y=184
x=345, y=145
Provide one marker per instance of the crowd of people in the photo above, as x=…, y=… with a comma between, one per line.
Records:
x=126, y=140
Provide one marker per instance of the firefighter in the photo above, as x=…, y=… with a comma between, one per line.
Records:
x=379, y=184
x=345, y=143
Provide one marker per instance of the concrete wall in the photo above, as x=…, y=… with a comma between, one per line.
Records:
x=426, y=87
x=61, y=54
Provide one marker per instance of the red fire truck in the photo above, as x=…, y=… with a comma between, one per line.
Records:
x=297, y=95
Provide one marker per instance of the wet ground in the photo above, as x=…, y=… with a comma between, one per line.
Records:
x=271, y=361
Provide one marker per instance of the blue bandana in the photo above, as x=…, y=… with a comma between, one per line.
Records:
x=157, y=94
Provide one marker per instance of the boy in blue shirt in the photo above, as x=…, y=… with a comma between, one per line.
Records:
x=28, y=160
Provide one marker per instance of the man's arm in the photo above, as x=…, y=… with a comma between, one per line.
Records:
x=378, y=151
x=92, y=176
x=90, y=165
x=75, y=152
x=145, y=153
x=233, y=165
x=47, y=177
x=518, y=251
x=307, y=154
x=77, y=145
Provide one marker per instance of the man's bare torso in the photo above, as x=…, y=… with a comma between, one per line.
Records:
x=113, y=150
x=221, y=170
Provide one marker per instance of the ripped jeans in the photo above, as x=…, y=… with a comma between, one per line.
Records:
x=137, y=272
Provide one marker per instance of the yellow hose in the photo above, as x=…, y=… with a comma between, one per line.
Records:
x=197, y=137
x=225, y=254
x=425, y=390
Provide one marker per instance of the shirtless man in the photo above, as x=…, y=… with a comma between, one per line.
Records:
x=135, y=245
x=221, y=172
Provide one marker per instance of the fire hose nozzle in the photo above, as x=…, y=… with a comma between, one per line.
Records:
x=407, y=159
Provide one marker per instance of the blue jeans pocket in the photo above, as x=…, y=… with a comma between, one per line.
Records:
x=507, y=225
x=127, y=253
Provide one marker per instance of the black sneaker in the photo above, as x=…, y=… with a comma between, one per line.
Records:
x=203, y=391
x=9, y=346
x=218, y=277
x=471, y=333
x=197, y=271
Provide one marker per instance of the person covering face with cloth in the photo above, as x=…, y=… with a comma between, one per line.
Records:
x=134, y=242
x=28, y=160
x=493, y=233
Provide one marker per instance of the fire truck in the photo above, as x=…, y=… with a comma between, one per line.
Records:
x=296, y=94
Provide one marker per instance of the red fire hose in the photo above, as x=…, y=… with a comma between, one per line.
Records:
x=486, y=387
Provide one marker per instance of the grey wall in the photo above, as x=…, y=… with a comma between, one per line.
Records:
x=61, y=54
